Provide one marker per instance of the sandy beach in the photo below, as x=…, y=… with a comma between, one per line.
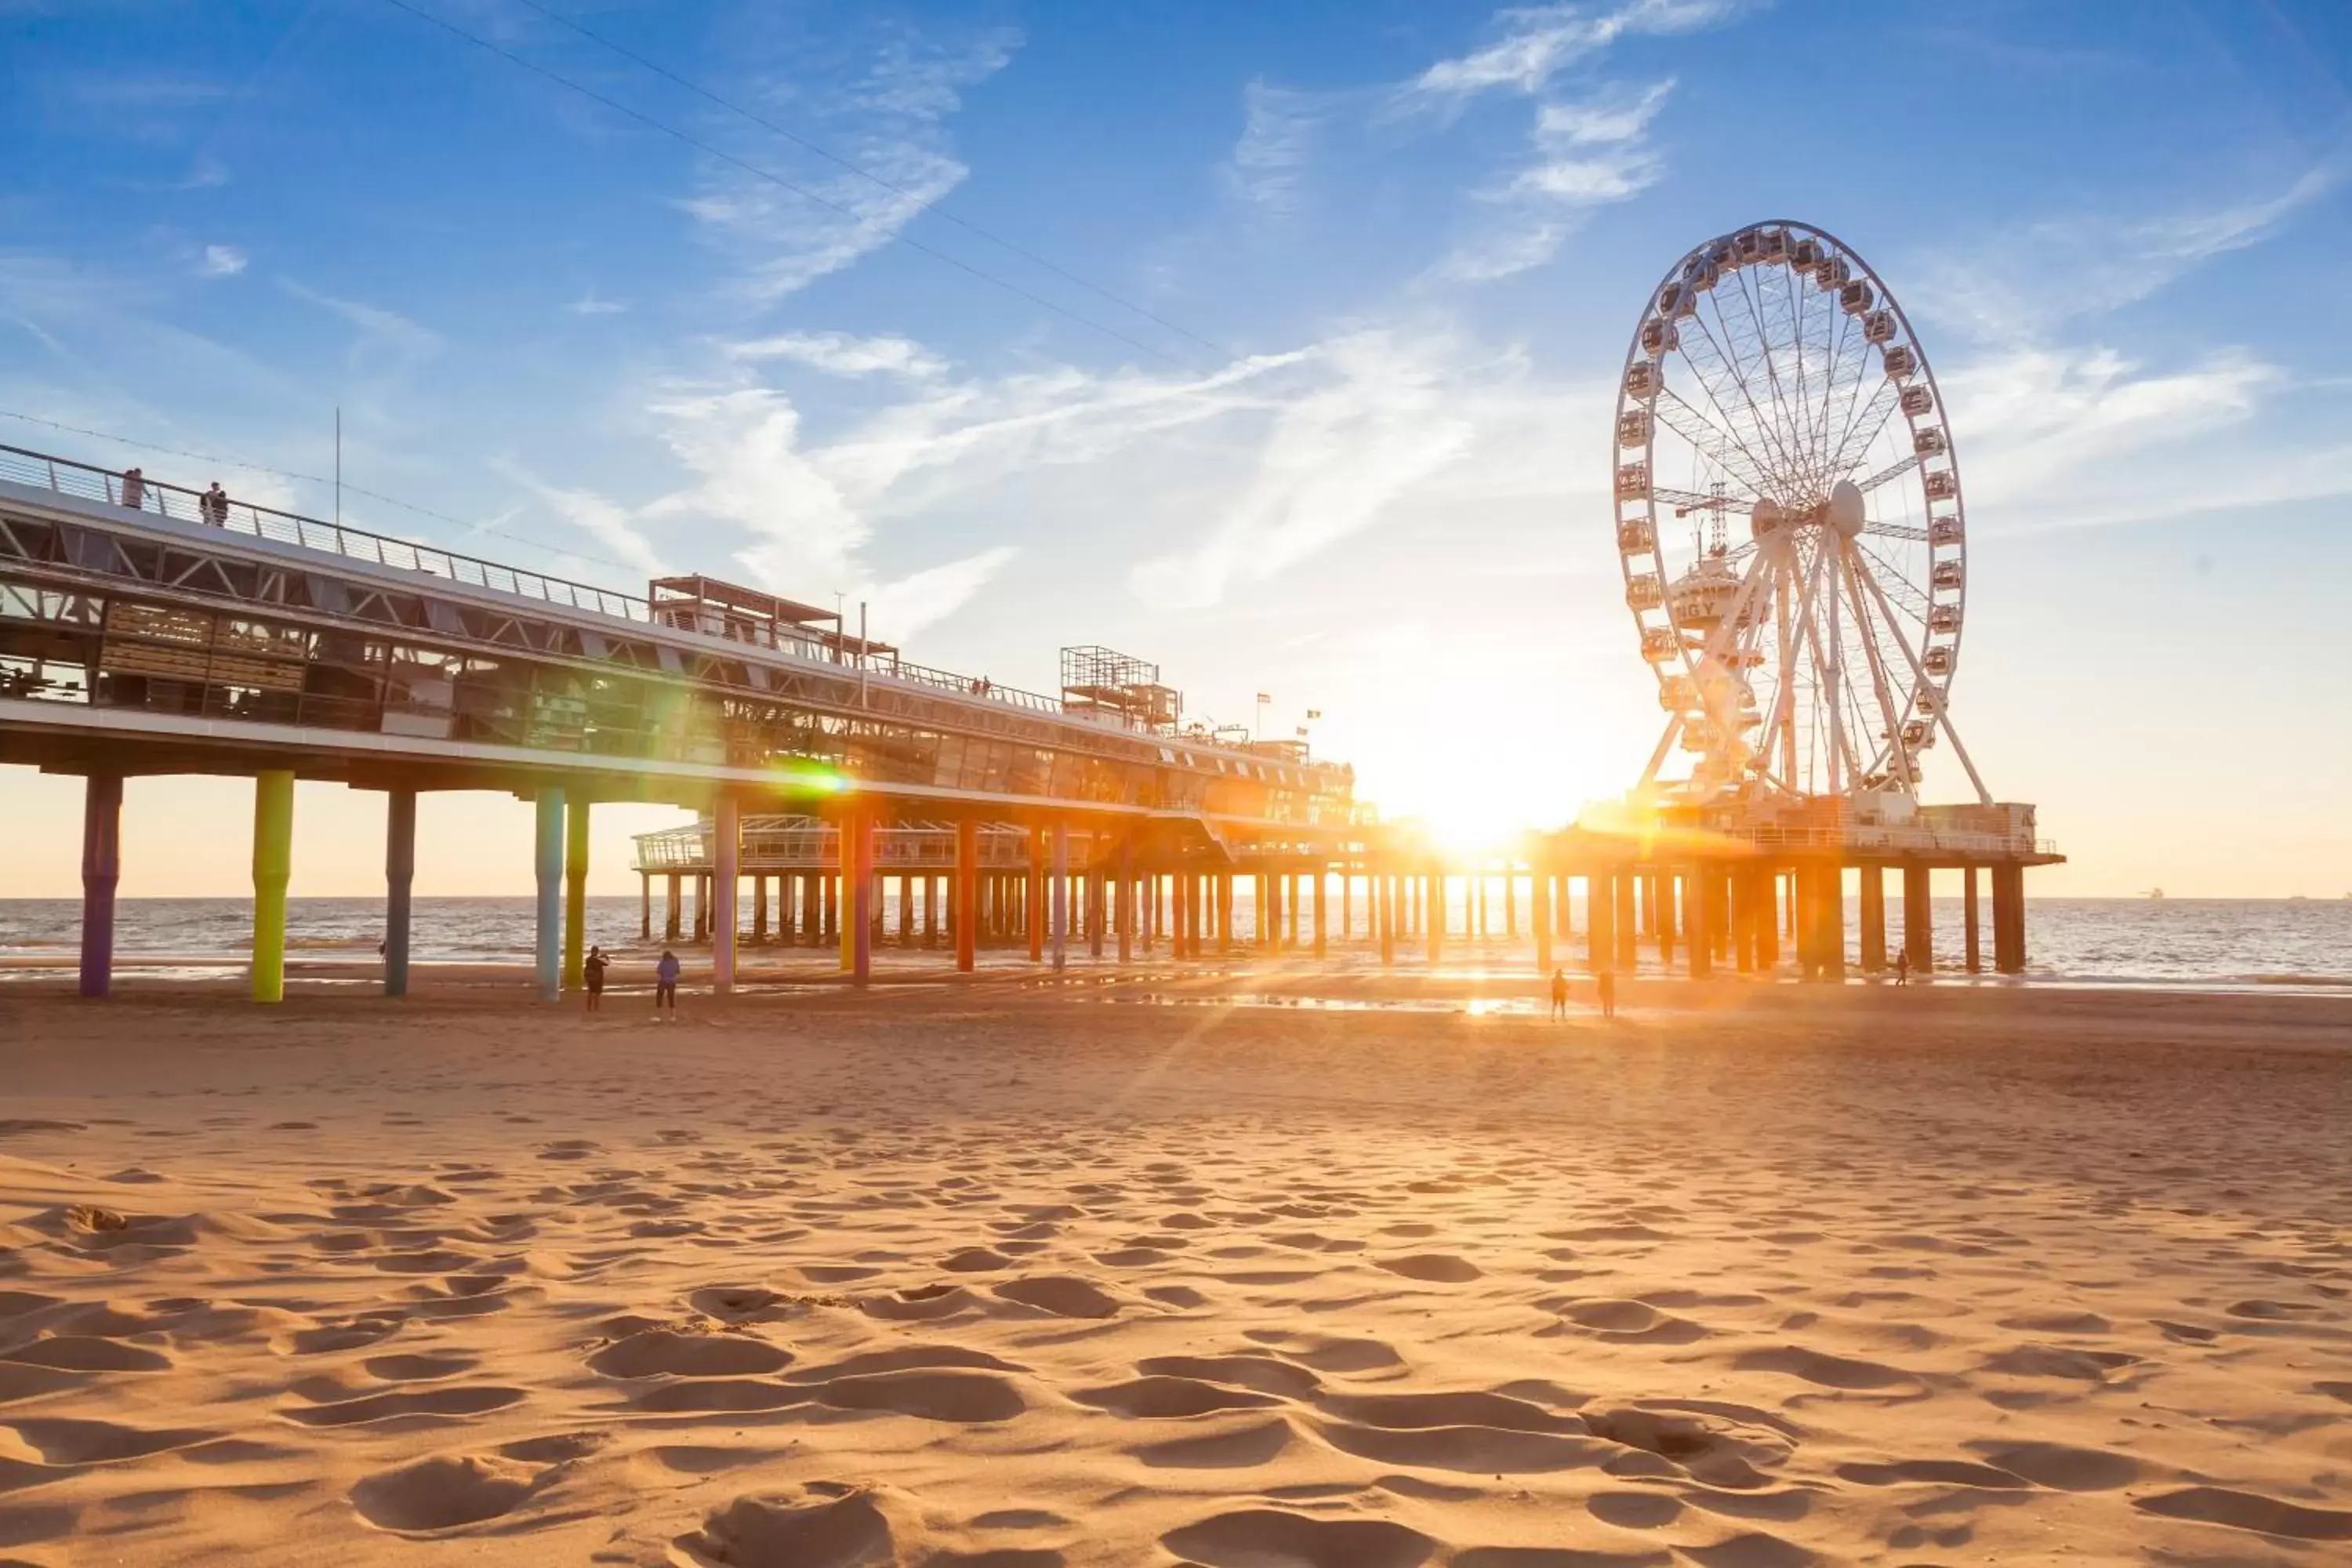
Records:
x=1012, y=1274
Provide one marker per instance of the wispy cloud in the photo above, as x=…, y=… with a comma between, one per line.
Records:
x=2003, y=289
x=221, y=261
x=592, y=303
x=1279, y=129
x=1588, y=153
x=1536, y=43
x=840, y=353
x=889, y=121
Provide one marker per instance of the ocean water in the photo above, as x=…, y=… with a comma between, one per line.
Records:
x=2183, y=941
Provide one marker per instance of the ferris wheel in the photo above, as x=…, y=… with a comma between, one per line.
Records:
x=1789, y=522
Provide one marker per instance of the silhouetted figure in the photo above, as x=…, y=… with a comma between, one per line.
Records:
x=1902, y=967
x=213, y=506
x=134, y=489
x=1607, y=985
x=1559, y=993
x=591, y=970
x=665, y=985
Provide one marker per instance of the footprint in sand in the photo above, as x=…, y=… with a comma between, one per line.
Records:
x=1063, y=1297
x=64, y=1442
x=1251, y=1538
x=2246, y=1510
x=664, y=1353
x=1160, y=1397
x=443, y=1403
x=1432, y=1267
x=1241, y=1449
x=82, y=1352
x=443, y=1493
x=822, y=1526
x=968, y=1397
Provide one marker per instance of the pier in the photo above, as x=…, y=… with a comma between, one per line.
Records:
x=140, y=635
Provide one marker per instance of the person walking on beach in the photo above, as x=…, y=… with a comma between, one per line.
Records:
x=1606, y=984
x=213, y=506
x=1559, y=993
x=1902, y=966
x=665, y=985
x=591, y=970
x=134, y=489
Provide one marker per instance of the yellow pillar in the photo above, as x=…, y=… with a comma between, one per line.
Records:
x=273, y=865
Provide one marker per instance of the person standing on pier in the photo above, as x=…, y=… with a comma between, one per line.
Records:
x=591, y=971
x=665, y=985
x=213, y=506
x=134, y=489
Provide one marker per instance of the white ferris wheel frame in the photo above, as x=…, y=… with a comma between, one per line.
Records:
x=1714, y=664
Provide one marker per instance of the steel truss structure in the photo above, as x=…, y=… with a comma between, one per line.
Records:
x=255, y=630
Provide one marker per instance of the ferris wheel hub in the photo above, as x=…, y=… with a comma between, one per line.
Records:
x=1845, y=511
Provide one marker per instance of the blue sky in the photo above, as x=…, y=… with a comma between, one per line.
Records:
x=1394, y=252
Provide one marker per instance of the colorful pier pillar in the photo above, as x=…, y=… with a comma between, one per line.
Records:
x=548, y=867
x=102, y=870
x=726, y=851
x=273, y=865
x=399, y=882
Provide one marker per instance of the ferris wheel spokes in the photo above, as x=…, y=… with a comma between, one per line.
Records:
x=1928, y=694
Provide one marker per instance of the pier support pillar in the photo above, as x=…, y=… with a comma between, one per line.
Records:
x=547, y=867
x=2009, y=919
x=1539, y=891
x=759, y=907
x=1600, y=921
x=966, y=918
x=1830, y=911
x=1322, y=912
x=102, y=870
x=273, y=867
x=858, y=916
x=1036, y=895
x=1629, y=950
x=1383, y=889
x=645, y=906
x=576, y=892
x=1766, y=921
x=1433, y=923
x=1918, y=916
x=1123, y=904
x=1968, y=918
x=676, y=898
x=1061, y=850
x=726, y=849
x=1698, y=920
x=399, y=877
x=1873, y=919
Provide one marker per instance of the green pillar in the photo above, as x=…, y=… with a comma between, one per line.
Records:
x=547, y=866
x=575, y=893
x=273, y=864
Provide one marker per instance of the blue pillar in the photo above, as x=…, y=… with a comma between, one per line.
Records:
x=549, y=868
x=101, y=869
x=399, y=873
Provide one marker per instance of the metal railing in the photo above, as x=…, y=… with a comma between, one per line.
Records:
x=67, y=477
x=88, y=483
